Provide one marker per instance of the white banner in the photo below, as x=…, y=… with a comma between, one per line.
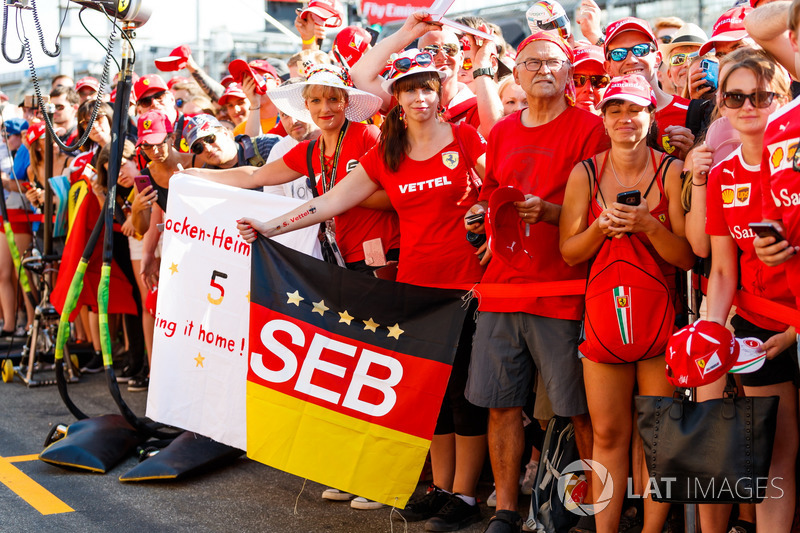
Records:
x=199, y=364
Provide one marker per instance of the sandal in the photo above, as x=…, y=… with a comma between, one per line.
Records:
x=504, y=522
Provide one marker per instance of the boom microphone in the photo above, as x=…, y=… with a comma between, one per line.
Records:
x=132, y=11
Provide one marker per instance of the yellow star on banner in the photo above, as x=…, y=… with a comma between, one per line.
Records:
x=319, y=307
x=294, y=298
x=395, y=331
x=370, y=324
x=199, y=360
x=345, y=317
x=174, y=268
x=247, y=296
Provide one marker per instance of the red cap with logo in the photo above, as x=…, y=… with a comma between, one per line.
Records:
x=153, y=128
x=265, y=68
x=628, y=24
x=233, y=90
x=35, y=131
x=176, y=60
x=326, y=13
x=87, y=82
x=351, y=43
x=632, y=88
x=147, y=85
x=728, y=28
x=240, y=70
x=507, y=231
x=588, y=53
x=700, y=353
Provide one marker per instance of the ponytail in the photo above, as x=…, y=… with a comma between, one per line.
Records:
x=394, y=139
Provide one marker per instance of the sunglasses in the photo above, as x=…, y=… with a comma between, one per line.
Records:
x=448, y=48
x=640, y=50
x=758, y=99
x=666, y=39
x=179, y=103
x=146, y=146
x=85, y=122
x=147, y=101
x=404, y=64
x=598, y=81
x=60, y=107
x=680, y=59
x=199, y=145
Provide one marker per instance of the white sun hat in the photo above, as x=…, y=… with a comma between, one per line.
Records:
x=289, y=98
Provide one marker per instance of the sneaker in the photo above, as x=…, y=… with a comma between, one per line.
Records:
x=504, y=521
x=128, y=373
x=337, y=495
x=526, y=487
x=362, y=503
x=491, y=501
x=138, y=384
x=456, y=514
x=94, y=366
x=630, y=521
x=424, y=506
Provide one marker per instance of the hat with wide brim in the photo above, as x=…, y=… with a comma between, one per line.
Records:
x=687, y=35
x=289, y=99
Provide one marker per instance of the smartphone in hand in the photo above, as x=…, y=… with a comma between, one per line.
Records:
x=141, y=183
x=633, y=198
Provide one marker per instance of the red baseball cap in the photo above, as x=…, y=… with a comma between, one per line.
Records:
x=176, y=79
x=232, y=91
x=239, y=69
x=147, y=85
x=587, y=53
x=89, y=82
x=35, y=131
x=265, y=68
x=632, y=88
x=507, y=230
x=351, y=43
x=700, y=353
x=628, y=24
x=728, y=28
x=326, y=13
x=227, y=80
x=176, y=60
x=153, y=128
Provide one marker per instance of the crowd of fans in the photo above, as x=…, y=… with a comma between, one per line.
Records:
x=399, y=148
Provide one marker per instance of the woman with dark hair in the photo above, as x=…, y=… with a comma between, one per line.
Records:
x=423, y=165
x=100, y=134
x=589, y=217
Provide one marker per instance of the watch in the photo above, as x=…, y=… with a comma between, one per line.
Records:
x=482, y=72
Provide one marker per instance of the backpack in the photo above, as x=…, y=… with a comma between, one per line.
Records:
x=629, y=312
x=547, y=513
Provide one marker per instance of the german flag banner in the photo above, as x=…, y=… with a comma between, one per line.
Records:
x=347, y=372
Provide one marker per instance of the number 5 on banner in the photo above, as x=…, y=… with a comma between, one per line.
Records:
x=215, y=285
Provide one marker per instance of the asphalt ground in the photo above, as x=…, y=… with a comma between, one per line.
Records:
x=243, y=496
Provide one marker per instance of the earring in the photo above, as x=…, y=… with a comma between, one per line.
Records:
x=440, y=111
x=402, y=115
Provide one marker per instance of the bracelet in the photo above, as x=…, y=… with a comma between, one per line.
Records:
x=699, y=184
x=255, y=108
x=600, y=41
x=308, y=41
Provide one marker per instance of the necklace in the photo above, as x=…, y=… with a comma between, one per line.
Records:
x=614, y=171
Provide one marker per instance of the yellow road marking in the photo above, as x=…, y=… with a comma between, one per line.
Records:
x=21, y=458
x=26, y=488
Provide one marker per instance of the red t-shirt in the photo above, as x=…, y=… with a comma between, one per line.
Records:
x=538, y=161
x=431, y=198
x=732, y=202
x=781, y=139
x=358, y=224
x=463, y=108
x=673, y=114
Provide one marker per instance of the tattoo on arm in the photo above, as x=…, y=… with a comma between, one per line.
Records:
x=213, y=89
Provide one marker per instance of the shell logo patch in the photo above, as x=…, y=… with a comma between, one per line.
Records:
x=147, y=123
x=727, y=197
x=736, y=195
x=450, y=159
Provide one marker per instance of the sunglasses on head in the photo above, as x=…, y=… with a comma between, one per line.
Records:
x=404, y=64
x=599, y=81
x=147, y=101
x=639, y=50
x=758, y=99
x=666, y=39
x=199, y=144
x=448, y=48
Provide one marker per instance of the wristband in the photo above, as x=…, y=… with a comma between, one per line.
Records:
x=482, y=72
x=255, y=108
x=312, y=40
x=600, y=42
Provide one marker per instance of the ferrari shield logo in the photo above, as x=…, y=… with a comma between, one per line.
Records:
x=450, y=159
x=622, y=301
x=147, y=123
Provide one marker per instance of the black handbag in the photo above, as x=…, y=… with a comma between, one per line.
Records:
x=717, y=451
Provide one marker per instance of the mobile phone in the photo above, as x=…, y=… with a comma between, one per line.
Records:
x=141, y=182
x=766, y=229
x=25, y=185
x=374, y=34
x=373, y=253
x=711, y=70
x=629, y=198
x=475, y=218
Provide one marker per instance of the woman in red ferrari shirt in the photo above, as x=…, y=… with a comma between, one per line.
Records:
x=751, y=89
x=422, y=163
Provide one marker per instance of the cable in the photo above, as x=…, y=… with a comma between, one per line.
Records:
x=3, y=38
x=41, y=33
x=80, y=19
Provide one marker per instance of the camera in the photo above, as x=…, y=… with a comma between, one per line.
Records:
x=477, y=240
